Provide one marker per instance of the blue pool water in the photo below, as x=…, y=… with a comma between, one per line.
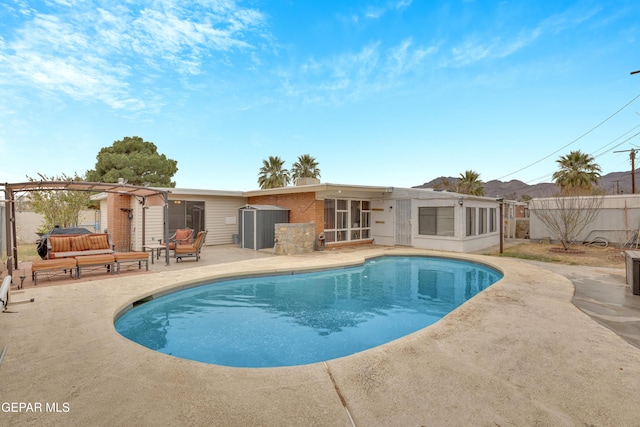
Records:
x=304, y=318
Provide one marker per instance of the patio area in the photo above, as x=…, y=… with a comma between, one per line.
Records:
x=519, y=353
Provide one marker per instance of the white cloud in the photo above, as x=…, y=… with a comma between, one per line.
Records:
x=478, y=47
x=95, y=50
x=352, y=76
x=377, y=12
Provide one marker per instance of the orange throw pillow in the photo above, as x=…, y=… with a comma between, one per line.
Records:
x=60, y=244
x=81, y=243
x=99, y=241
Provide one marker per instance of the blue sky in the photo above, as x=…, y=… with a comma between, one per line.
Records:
x=389, y=92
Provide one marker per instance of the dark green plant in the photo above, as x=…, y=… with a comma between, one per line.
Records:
x=578, y=173
x=305, y=167
x=272, y=173
x=470, y=183
x=136, y=161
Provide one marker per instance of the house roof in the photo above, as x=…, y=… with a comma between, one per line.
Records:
x=201, y=192
x=264, y=207
x=317, y=188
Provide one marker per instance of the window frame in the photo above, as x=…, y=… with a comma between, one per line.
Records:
x=347, y=219
x=443, y=225
x=470, y=221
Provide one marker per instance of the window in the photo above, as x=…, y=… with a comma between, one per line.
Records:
x=471, y=221
x=346, y=220
x=186, y=214
x=342, y=223
x=436, y=221
x=329, y=220
x=492, y=220
x=482, y=221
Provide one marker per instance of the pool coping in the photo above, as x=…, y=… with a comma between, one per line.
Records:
x=520, y=352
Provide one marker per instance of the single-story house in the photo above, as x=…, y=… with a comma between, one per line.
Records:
x=211, y=210
x=342, y=214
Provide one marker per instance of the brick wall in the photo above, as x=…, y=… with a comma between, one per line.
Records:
x=118, y=224
x=303, y=207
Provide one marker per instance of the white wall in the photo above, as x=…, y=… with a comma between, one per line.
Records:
x=384, y=226
x=383, y=222
x=617, y=220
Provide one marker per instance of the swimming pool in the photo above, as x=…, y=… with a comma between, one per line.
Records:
x=304, y=318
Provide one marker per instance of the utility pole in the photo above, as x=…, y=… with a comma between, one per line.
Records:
x=632, y=156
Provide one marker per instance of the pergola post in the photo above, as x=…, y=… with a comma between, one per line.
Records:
x=166, y=227
x=14, y=234
x=8, y=197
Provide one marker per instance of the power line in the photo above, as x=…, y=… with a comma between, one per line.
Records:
x=572, y=142
x=615, y=146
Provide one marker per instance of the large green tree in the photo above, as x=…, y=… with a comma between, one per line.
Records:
x=470, y=183
x=305, y=167
x=273, y=174
x=136, y=161
x=58, y=207
x=577, y=174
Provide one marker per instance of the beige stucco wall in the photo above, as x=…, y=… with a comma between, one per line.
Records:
x=28, y=222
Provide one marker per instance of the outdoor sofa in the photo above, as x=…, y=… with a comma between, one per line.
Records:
x=68, y=253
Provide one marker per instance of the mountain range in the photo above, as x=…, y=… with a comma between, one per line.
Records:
x=611, y=183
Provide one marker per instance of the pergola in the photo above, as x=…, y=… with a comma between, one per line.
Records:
x=149, y=196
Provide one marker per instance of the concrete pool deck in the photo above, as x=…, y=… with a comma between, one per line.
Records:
x=519, y=353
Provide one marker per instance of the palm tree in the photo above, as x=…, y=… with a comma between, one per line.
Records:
x=272, y=174
x=577, y=173
x=469, y=183
x=305, y=167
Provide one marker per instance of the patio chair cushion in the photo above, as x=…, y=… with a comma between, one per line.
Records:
x=95, y=259
x=183, y=234
x=185, y=249
x=53, y=264
x=131, y=256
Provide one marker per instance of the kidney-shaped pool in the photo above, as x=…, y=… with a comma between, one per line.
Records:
x=297, y=319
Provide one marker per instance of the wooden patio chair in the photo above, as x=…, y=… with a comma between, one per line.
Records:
x=192, y=250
